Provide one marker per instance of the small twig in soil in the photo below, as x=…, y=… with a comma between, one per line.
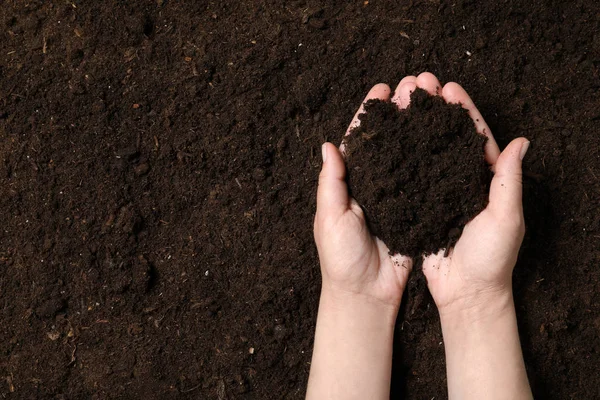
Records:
x=533, y=175
x=369, y=136
x=192, y=389
x=9, y=380
x=72, y=356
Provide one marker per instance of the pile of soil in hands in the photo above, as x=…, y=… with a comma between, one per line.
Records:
x=419, y=173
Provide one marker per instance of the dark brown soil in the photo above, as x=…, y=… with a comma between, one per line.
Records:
x=158, y=165
x=420, y=174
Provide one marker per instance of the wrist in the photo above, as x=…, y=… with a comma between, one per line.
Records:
x=483, y=352
x=350, y=305
x=477, y=308
x=352, y=354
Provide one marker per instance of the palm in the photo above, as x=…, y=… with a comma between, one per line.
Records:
x=355, y=260
x=479, y=262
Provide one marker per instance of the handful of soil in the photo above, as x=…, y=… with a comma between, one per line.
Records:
x=419, y=174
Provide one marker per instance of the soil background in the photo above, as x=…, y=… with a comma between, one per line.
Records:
x=158, y=165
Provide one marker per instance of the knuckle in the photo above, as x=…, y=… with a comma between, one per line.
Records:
x=322, y=222
x=517, y=177
x=325, y=179
x=514, y=223
x=322, y=177
x=510, y=178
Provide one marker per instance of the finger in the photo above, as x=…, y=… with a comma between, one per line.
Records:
x=454, y=93
x=397, y=91
x=332, y=193
x=408, y=78
x=402, y=94
x=427, y=81
x=380, y=91
x=506, y=190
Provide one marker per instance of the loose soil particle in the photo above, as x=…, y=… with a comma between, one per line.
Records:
x=204, y=269
x=420, y=173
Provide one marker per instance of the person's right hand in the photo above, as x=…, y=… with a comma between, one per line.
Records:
x=472, y=285
x=480, y=266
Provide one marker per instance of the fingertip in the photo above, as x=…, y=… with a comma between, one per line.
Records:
x=507, y=185
x=454, y=93
x=524, y=148
x=408, y=78
x=332, y=192
x=429, y=82
x=331, y=154
x=514, y=151
x=402, y=95
x=510, y=160
x=379, y=91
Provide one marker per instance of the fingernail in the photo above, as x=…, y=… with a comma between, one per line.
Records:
x=324, y=152
x=524, y=149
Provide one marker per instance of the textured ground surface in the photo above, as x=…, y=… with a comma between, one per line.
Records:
x=158, y=163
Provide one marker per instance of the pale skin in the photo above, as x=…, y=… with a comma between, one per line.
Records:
x=471, y=286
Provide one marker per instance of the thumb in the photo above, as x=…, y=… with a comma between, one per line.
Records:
x=332, y=194
x=506, y=190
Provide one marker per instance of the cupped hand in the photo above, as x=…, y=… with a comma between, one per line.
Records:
x=480, y=265
x=353, y=261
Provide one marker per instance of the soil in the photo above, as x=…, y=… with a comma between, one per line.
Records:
x=420, y=174
x=159, y=161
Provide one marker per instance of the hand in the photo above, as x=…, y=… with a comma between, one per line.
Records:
x=362, y=288
x=472, y=285
x=353, y=261
x=480, y=266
